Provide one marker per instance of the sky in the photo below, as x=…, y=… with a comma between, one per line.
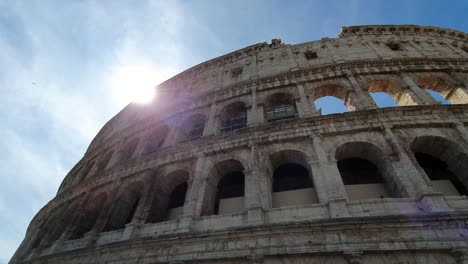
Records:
x=68, y=66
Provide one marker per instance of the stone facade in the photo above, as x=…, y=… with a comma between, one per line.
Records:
x=152, y=186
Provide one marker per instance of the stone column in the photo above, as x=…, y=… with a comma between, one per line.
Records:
x=260, y=114
x=460, y=127
x=423, y=96
x=141, y=212
x=363, y=100
x=327, y=180
x=306, y=105
x=211, y=124
x=196, y=193
x=459, y=91
x=407, y=177
x=101, y=221
x=254, y=193
x=253, y=121
x=173, y=135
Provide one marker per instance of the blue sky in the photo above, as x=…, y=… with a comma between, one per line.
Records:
x=66, y=67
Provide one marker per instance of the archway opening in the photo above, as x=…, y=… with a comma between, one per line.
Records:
x=444, y=162
x=128, y=150
x=224, y=193
x=383, y=100
x=230, y=194
x=444, y=90
x=291, y=179
x=332, y=99
x=168, y=197
x=330, y=105
x=85, y=173
x=104, y=162
x=280, y=106
x=442, y=179
x=365, y=171
x=88, y=218
x=234, y=117
x=438, y=97
x=193, y=127
x=125, y=208
x=176, y=201
x=362, y=179
x=388, y=93
x=156, y=139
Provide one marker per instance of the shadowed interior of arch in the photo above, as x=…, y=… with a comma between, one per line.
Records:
x=362, y=179
x=443, y=180
x=364, y=170
x=233, y=117
x=280, y=106
x=230, y=189
x=176, y=201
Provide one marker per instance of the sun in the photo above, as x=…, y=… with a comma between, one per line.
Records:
x=134, y=83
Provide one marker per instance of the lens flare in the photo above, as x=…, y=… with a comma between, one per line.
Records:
x=134, y=83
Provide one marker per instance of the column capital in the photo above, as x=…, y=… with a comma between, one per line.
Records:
x=353, y=257
x=460, y=255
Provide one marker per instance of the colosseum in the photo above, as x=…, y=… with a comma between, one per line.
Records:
x=234, y=162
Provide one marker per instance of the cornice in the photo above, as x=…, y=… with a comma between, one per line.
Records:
x=402, y=30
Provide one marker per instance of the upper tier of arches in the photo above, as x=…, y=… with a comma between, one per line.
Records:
x=277, y=105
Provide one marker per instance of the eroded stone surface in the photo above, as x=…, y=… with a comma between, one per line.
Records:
x=250, y=112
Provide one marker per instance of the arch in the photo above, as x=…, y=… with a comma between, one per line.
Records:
x=280, y=106
x=125, y=207
x=365, y=171
x=104, y=161
x=451, y=91
x=400, y=95
x=127, y=151
x=162, y=205
x=193, y=127
x=444, y=162
x=87, y=219
x=87, y=171
x=225, y=188
x=59, y=222
x=233, y=117
x=326, y=96
x=156, y=138
x=291, y=179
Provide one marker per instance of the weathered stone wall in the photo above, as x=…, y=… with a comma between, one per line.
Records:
x=112, y=206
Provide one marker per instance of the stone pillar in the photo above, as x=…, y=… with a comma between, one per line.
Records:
x=423, y=96
x=363, y=100
x=101, y=221
x=211, y=124
x=196, y=193
x=254, y=193
x=306, y=105
x=460, y=127
x=142, y=211
x=325, y=175
x=459, y=91
x=253, y=121
x=260, y=114
x=173, y=134
x=407, y=178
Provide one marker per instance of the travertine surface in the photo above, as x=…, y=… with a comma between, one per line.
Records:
x=144, y=152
